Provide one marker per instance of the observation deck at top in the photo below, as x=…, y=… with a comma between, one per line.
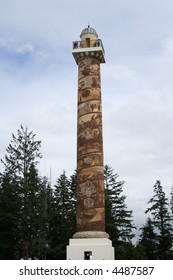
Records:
x=88, y=46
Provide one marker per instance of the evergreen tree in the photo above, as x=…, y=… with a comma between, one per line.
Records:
x=119, y=222
x=62, y=226
x=148, y=240
x=171, y=202
x=29, y=218
x=171, y=206
x=45, y=216
x=73, y=212
x=110, y=218
x=139, y=252
x=161, y=221
x=9, y=218
x=22, y=153
x=20, y=196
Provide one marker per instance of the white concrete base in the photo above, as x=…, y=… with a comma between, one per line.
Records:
x=100, y=249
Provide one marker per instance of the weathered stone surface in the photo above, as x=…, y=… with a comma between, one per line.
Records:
x=91, y=106
x=90, y=172
x=89, y=160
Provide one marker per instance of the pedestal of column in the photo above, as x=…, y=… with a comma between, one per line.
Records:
x=86, y=248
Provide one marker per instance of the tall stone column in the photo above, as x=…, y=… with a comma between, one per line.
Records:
x=89, y=53
x=90, y=238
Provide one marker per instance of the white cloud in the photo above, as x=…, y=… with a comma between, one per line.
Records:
x=25, y=48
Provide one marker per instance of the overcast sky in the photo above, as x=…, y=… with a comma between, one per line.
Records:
x=38, y=86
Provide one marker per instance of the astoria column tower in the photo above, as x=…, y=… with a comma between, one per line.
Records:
x=89, y=54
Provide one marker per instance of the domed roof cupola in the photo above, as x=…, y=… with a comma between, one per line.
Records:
x=89, y=31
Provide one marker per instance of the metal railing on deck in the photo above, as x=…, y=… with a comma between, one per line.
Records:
x=88, y=44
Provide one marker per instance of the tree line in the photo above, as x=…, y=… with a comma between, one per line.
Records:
x=37, y=220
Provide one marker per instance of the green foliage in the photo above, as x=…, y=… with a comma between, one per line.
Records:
x=149, y=240
x=20, y=193
x=36, y=219
x=62, y=225
x=160, y=223
x=119, y=222
x=9, y=217
x=22, y=152
x=171, y=202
